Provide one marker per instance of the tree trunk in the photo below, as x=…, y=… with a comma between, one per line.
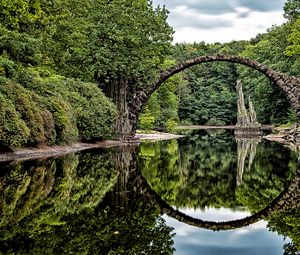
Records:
x=118, y=91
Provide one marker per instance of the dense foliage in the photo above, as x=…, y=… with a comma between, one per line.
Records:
x=49, y=50
x=53, y=110
x=38, y=106
x=73, y=44
x=161, y=110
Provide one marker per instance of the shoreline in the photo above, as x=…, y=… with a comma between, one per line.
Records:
x=29, y=153
x=157, y=136
x=60, y=150
x=56, y=150
x=263, y=127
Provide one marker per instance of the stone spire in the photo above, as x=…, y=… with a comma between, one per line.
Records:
x=245, y=118
x=242, y=115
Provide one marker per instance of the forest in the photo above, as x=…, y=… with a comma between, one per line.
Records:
x=65, y=66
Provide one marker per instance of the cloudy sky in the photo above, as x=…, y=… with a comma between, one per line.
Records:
x=221, y=20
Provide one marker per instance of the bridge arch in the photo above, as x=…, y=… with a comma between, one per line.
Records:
x=290, y=85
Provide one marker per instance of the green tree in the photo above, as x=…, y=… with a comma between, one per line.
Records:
x=209, y=96
x=163, y=105
x=294, y=48
x=270, y=102
x=121, y=56
x=291, y=9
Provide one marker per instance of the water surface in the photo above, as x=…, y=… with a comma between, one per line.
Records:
x=159, y=198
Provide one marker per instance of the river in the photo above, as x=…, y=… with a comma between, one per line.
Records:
x=206, y=193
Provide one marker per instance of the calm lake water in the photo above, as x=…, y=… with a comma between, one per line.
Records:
x=207, y=193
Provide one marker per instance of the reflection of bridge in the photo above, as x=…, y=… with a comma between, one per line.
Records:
x=287, y=199
x=135, y=187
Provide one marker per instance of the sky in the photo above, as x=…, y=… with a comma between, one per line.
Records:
x=221, y=20
x=254, y=239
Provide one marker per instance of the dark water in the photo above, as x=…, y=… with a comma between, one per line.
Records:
x=207, y=193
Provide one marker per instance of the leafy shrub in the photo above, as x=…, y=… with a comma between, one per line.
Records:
x=28, y=111
x=95, y=113
x=170, y=125
x=49, y=127
x=64, y=119
x=13, y=130
x=7, y=66
x=146, y=121
x=56, y=110
x=19, y=46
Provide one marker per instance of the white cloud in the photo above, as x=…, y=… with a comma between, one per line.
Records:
x=215, y=21
x=243, y=28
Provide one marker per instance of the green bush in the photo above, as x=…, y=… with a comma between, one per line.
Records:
x=170, y=125
x=7, y=67
x=13, y=130
x=19, y=47
x=28, y=111
x=95, y=113
x=54, y=109
x=146, y=121
x=64, y=119
x=49, y=127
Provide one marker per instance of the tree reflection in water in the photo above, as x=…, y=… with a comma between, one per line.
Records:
x=98, y=202
x=210, y=173
x=64, y=206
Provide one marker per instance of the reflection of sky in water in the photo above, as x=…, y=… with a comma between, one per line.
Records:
x=252, y=240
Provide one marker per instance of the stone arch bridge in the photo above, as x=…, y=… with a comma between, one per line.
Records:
x=290, y=85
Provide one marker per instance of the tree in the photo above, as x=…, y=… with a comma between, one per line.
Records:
x=163, y=105
x=270, y=102
x=209, y=96
x=291, y=9
x=294, y=39
x=119, y=44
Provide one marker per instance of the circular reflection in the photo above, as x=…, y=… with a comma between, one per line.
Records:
x=289, y=198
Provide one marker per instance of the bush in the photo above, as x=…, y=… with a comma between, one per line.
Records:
x=13, y=130
x=55, y=110
x=7, y=67
x=19, y=47
x=28, y=111
x=94, y=113
x=64, y=119
x=170, y=125
x=49, y=127
x=146, y=121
